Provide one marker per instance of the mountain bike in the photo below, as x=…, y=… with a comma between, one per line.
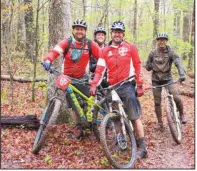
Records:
x=90, y=114
x=116, y=131
x=172, y=113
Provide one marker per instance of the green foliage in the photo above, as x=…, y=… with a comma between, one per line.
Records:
x=4, y=94
x=48, y=159
x=104, y=162
x=41, y=85
x=179, y=45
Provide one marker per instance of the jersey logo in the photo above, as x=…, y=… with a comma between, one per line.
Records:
x=122, y=51
x=86, y=51
x=109, y=53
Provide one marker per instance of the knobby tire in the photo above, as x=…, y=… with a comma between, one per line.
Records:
x=103, y=129
x=52, y=111
x=175, y=127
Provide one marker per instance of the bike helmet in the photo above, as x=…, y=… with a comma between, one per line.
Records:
x=100, y=29
x=79, y=22
x=162, y=36
x=118, y=25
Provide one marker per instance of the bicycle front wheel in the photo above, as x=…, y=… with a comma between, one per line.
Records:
x=49, y=117
x=174, y=121
x=119, y=150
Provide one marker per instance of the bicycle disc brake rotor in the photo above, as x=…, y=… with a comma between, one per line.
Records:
x=121, y=141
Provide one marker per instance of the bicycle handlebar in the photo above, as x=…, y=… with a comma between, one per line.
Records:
x=78, y=81
x=160, y=86
x=119, y=83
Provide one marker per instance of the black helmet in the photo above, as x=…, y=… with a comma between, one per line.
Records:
x=118, y=25
x=79, y=22
x=162, y=36
x=100, y=29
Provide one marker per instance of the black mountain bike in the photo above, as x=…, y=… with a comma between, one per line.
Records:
x=116, y=131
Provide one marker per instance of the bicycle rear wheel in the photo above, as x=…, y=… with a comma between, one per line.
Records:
x=119, y=151
x=174, y=120
x=49, y=117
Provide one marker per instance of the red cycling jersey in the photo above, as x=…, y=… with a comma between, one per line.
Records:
x=74, y=69
x=121, y=62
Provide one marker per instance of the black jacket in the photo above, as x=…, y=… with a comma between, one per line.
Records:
x=160, y=62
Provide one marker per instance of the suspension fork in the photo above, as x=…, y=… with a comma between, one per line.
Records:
x=122, y=120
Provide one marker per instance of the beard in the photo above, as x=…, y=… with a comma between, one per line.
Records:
x=117, y=42
x=79, y=39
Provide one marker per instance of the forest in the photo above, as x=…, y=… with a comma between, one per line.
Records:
x=30, y=28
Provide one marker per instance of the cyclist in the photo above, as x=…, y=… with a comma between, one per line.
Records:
x=99, y=38
x=160, y=62
x=76, y=60
x=122, y=60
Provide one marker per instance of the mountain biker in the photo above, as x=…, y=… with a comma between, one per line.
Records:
x=99, y=38
x=76, y=60
x=160, y=62
x=122, y=60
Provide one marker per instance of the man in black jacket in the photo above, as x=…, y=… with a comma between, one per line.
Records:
x=160, y=62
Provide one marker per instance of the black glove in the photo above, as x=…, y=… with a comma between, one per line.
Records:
x=182, y=78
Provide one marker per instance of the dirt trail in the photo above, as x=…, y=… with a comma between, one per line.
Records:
x=163, y=152
x=61, y=151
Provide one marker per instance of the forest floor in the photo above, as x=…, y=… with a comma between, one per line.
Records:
x=63, y=152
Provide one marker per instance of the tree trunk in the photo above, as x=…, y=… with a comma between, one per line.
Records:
x=106, y=13
x=59, y=28
x=156, y=21
x=30, y=35
x=186, y=30
x=177, y=21
x=84, y=8
x=120, y=9
x=6, y=25
x=21, y=30
x=191, y=54
x=135, y=22
x=36, y=51
x=28, y=121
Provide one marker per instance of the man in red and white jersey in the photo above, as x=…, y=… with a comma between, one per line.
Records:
x=121, y=60
x=76, y=53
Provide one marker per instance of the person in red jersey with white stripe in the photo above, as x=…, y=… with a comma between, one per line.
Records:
x=76, y=53
x=121, y=60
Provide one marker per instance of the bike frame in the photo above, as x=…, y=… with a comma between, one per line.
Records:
x=71, y=90
x=116, y=99
x=90, y=101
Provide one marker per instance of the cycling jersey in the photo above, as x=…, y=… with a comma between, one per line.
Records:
x=74, y=69
x=121, y=62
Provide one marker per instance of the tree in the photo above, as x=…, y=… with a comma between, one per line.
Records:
x=30, y=34
x=59, y=28
x=186, y=30
x=36, y=50
x=84, y=8
x=135, y=22
x=6, y=28
x=156, y=21
x=21, y=29
x=191, y=54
